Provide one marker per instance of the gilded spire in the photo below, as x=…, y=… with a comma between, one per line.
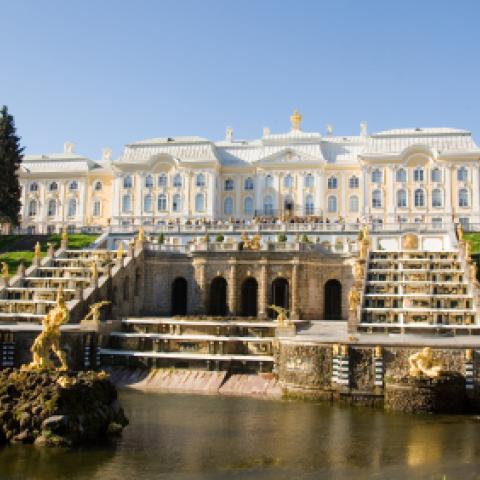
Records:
x=296, y=120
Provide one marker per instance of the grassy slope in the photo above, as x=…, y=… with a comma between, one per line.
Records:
x=475, y=239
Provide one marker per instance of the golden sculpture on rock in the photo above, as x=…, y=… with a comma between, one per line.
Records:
x=282, y=314
x=421, y=363
x=353, y=299
x=250, y=244
x=49, y=339
x=94, y=312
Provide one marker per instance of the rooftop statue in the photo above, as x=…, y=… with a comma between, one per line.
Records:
x=282, y=314
x=296, y=120
x=49, y=339
x=421, y=363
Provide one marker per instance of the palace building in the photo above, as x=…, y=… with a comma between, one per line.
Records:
x=420, y=175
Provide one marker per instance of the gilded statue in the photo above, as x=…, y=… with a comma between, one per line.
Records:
x=353, y=299
x=473, y=272
x=64, y=235
x=255, y=245
x=250, y=244
x=282, y=317
x=460, y=234
x=365, y=232
x=296, y=120
x=468, y=249
x=358, y=271
x=141, y=234
x=410, y=242
x=363, y=249
x=94, y=270
x=5, y=273
x=38, y=250
x=94, y=311
x=49, y=339
x=421, y=363
x=120, y=251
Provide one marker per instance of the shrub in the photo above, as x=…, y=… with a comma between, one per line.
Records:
x=281, y=237
x=219, y=238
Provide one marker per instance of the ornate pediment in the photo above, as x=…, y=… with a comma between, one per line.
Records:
x=288, y=156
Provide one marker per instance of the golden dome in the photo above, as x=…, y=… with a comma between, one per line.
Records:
x=296, y=120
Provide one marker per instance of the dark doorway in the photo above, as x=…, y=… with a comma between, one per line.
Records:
x=179, y=296
x=333, y=300
x=280, y=294
x=288, y=206
x=218, y=297
x=249, y=297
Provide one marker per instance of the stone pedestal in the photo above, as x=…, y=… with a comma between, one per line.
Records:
x=286, y=331
x=444, y=394
x=352, y=321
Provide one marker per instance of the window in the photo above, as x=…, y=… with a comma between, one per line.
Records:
x=377, y=176
x=200, y=202
x=53, y=186
x=72, y=207
x=248, y=206
x=309, y=181
x=176, y=203
x=419, y=197
x=34, y=187
x=229, y=184
x=127, y=182
x=147, y=203
x=200, y=180
x=401, y=198
x=52, y=208
x=97, y=204
x=437, y=198
x=437, y=222
x=309, y=205
x=228, y=206
x=98, y=186
x=162, y=180
x=32, y=208
x=288, y=181
x=177, y=180
x=148, y=181
x=418, y=175
x=353, y=204
x=268, y=205
x=436, y=175
x=249, y=184
x=377, y=199
x=463, y=197
x=126, y=204
x=162, y=203
x=332, y=204
x=268, y=181
x=73, y=185
x=401, y=175
x=462, y=174
x=353, y=182
x=332, y=183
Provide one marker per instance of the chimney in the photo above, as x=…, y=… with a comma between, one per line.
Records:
x=229, y=134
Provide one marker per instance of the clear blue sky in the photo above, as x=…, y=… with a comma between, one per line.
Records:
x=105, y=73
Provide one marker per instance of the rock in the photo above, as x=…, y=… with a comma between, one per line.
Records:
x=56, y=424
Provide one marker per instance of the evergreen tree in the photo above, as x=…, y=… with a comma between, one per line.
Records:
x=10, y=160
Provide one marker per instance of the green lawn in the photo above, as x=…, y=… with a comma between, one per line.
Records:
x=13, y=259
x=475, y=239
x=75, y=240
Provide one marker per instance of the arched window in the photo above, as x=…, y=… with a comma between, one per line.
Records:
x=377, y=176
x=34, y=187
x=53, y=186
x=52, y=208
x=353, y=182
x=268, y=205
x=97, y=208
x=332, y=183
x=462, y=174
x=463, y=199
x=72, y=207
x=162, y=180
x=332, y=204
x=148, y=181
x=162, y=203
x=309, y=181
x=309, y=205
x=248, y=206
x=176, y=203
x=127, y=182
x=147, y=203
x=177, y=180
x=126, y=204
x=419, y=198
x=268, y=181
x=418, y=174
x=437, y=198
x=249, y=183
x=32, y=208
x=401, y=175
x=377, y=199
x=228, y=206
x=199, y=202
x=200, y=180
x=229, y=184
x=402, y=198
x=73, y=185
x=353, y=204
x=288, y=181
x=98, y=186
x=436, y=175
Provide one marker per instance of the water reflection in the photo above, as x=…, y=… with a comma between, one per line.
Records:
x=197, y=437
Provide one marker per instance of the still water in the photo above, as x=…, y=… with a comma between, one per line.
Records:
x=211, y=437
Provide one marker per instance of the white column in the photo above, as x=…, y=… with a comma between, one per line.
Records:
x=116, y=198
x=475, y=194
x=448, y=192
x=343, y=185
x=365, y=191
x=390, y=212
x=238, y=184
x=82, y=198
x=211, y=196
x=137, y=193
x=259, y=185
x=319, y=200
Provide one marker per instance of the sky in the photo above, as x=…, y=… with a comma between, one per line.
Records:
x=103, y=73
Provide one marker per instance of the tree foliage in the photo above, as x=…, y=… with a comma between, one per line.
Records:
x=10, y=160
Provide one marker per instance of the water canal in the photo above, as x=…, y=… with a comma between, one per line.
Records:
x=185, y=437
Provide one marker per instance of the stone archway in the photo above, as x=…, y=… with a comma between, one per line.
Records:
x=218, y=297
x=179, y=296
x=280, y=293
x=332, y=297
x=249, y=298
